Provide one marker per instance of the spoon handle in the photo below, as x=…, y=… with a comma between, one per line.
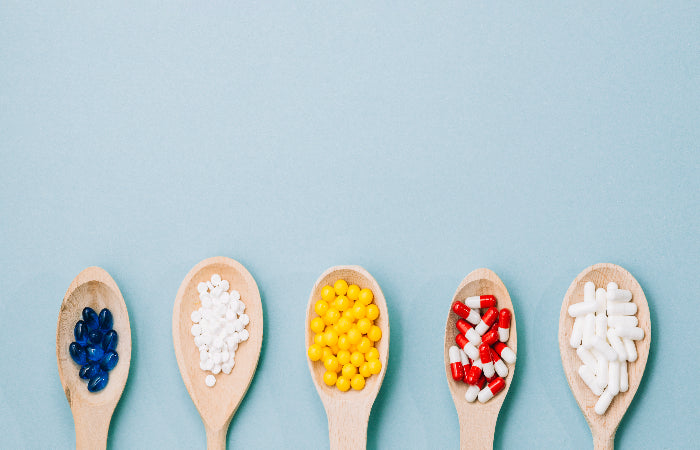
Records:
x=602, y=442
x=476, y=430
x=91, y=429
x=347, y=425
x=216, y=439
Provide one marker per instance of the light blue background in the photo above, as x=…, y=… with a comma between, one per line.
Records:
x=420, y=141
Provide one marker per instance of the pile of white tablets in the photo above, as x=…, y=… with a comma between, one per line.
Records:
x=605, y=328
x=219, y=326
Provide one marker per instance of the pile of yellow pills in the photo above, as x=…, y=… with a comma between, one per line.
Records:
x=345, y=335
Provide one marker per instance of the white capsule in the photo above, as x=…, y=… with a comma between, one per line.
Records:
x=617, y=344
x=202, y=287
x=587, y=358
x=582, y=308
x=472, y=393
x=501, y=368
x=634, y=333
x=224, y=285
x=243, y=334
x=624, y=380
x=577, y=333
x=589, y=292
x=470, y=350
x=588, y=330
x=485, y=394
x=210, y=380
x=622, y=321
x=464, y=359
x=622, y=309
x=588, y=377
x=600, y=301
x=612, y=286
x=216, y=279
x=619, y=295
x=601, y=325
x=601, y=370
x=603, y=402
x=614, y=377
x=630, y=348
x=604, y=348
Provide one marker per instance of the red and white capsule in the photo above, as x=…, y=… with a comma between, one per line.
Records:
x=480, y=301
x=487, y=320
x=465, y=364
x=456, y=363
x=465, y=312
x=486, y=362
x=499, y=365
x=473, y=391
x=505, y=352
x=467, y=329
x=467, y=346
x=474, y=372
x=504, y=325
x=493, y=388
x=491, y=336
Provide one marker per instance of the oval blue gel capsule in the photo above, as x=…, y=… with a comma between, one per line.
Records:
x=109, y=341
x=81, y=332
x=90, y=318
x=109, y=360
x=89, y=370
x=98, y=382
x=77, y=353
x=95, y=337
x=94, y=352
x=105, y=320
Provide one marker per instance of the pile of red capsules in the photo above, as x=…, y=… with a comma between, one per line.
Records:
x=481, y=348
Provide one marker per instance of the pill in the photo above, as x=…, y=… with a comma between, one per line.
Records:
x=77, y=353
x=465, y=312
x=588, y=377
x=202, y=288
x=98, y=382
x=614, y=377
x=604, y=348
x=468, y=330
x=622, y=309
x=582, y=308
x=600, y=301
x=105, y=319
x=486, y=362
x=601, y=370
x=616, y=344
x=473, y=391
x=465, y=364
x=587, y=358
x=504, y=325
x=456, y=363
x=612, y=286
x=499, y=365
x=480, y=301
x=81, y=332
x=94, y=352
x=577, y=332
x=467, y=346
x=488, y=319
x=504, y=352
x=588, y=330
x=474, y=372
x=109, y=360
x=216, y=279
x=634, y=333
x=210, y=380
x=491, y=389
x=491, y=336
x=630, y=348
x=90, y=318
x=619, y=295
x=624, y=380
x=604, y=402
x=589, y=292
x=110, y=340
x=89, y=370
x=601, y=325
x=622, y=321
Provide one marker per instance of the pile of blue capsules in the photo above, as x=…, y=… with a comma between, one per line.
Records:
x=95, y=347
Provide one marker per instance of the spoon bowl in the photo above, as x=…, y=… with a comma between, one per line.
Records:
x=477, y=421
x=217, y=404
x=92, y=411
x=603, y=427
x=348, y=412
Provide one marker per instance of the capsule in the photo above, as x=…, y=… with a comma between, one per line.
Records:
x=77, y=353
x=624, y=379
x=589, y=292
x=604, y=348
x=600, y=301
x=91, y=319
x=98, y=382
x=622, y=309
x=577, y=333
x=619, y=295
x=465, y=312
x=601, y=325
x=493, y=388
x=89, y=370
x=95, y=337
x=614, y=377
x=473, y=391
x=588, y=330
x=499, y=365
x=604, y=402
x=474, y=372
x=601, y=369
x=616, y=344
x=480, y=301
x=110, y=340
x=467, y=346
x=505, y=352
x=582, y=308
x=631, y=349
x=94, y=352
x=486, y=362
x=465, y=364
x=491, y=336
x=467, y=329
x=587, y=358
x=622, y=321
x=588, y=377
x=504, y=325
x=487, y=320
x=105, y=319
x=456, y=363
x=634, y=333
x=81, y=332
x=109, y=360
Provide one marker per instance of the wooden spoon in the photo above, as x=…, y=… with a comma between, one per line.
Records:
x=216, y=405
x=348, y=412
x=92, y=411
x=477, y=421
x=603, y=427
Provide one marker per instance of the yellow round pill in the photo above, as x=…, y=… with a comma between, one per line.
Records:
x=315, y=352
x=372, y=354
x=375, y=333
x=317, y=325
x=348, y=315
x=358, y=382
x=331, y=316
x=328, y=293
x=330, y=377
x=359, y=311
x=364, y=345
x=372, y=312
x=353, y=292
x=343, y=357
x=327, y=353
x=343, y=303
x=354, y=335
x=341, y=287
x=343, y=342
x=366, y=296
x=331, y=363
x=330, y=338
x=375, y=366
x=318, y=339
x=321, y=307
x=364, y=370
x=342, y=383
x=349, y=370
x=364, y=325
x=357, y=359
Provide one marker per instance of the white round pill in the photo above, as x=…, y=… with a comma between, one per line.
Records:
x=210, y=380
x=235, y=295
x=224, y=285
x=202, y=287
x=216, y=279
x=244, y=335
x=196, y=316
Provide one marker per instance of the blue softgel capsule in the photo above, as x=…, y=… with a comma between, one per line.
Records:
x=105, y=320
x=90, y=318
x=109, y=341
x=98, y=382
x=81, y=332
x=95, y=337
x=89, y=370
x=78, y=353
x=94, y=353
x=109, y=360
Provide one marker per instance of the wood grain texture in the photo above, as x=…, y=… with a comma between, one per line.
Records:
x=92, y=412
x=477, y=421
x=603, y=427
x=218, y=404
x=348, y=412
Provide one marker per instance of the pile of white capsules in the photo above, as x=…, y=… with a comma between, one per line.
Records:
x=605, y=328
x=219, y=326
